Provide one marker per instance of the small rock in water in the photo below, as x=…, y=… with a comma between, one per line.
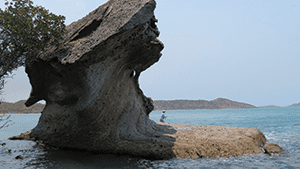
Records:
x=19, y=157
x=2, y=144
x=273, y=149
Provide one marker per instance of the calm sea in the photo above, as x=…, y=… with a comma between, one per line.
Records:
x=280, y=125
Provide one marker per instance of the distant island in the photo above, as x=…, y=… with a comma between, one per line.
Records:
x=268, y=106
x=19, y=107
x=295, y=105
x=219, y=103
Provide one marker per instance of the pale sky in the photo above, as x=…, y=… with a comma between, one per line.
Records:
x=242, y=50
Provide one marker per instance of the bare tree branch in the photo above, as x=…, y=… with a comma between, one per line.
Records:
x=5, y=120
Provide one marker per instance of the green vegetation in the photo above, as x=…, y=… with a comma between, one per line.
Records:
x=25, y=31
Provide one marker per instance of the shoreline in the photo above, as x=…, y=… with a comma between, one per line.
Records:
x=204, y=109
x=7, y=114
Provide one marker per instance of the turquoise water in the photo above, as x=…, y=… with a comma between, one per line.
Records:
x=280, y=125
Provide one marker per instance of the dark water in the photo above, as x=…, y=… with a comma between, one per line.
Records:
x=280, y=125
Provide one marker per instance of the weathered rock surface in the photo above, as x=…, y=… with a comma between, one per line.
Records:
x=192, y=141
x=90, y=83
x=93, y=98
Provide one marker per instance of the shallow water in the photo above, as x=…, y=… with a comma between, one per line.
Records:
x=280, y=125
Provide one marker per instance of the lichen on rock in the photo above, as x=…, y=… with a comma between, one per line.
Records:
x=93, y=99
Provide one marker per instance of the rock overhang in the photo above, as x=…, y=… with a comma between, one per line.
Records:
x=102, y=24
x=122, y=31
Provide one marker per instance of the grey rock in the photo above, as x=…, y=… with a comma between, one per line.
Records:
x=19, y=157
x=90, y=84
x=93, y=98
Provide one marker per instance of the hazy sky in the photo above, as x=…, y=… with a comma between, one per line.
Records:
x=243, y=50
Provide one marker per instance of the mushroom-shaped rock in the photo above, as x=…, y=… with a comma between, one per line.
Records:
x=90, y=83
x=93, y=99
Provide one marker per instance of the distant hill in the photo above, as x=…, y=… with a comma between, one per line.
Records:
x=19, y=107
x=268, y=106
x=219, y=103
x=295, y=105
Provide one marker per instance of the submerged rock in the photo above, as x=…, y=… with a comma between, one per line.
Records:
x=93, y=98
x=273, y=149
x=19, y=157
x=22, y=136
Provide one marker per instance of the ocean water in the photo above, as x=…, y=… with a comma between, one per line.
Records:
x=280, y=125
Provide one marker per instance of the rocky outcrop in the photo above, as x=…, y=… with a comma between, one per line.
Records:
x=93, y=98
x=90, y=83
x=194, y=141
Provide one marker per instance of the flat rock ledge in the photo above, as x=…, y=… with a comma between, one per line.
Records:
x=193, y=141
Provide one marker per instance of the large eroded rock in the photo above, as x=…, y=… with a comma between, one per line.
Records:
x=93, y=98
